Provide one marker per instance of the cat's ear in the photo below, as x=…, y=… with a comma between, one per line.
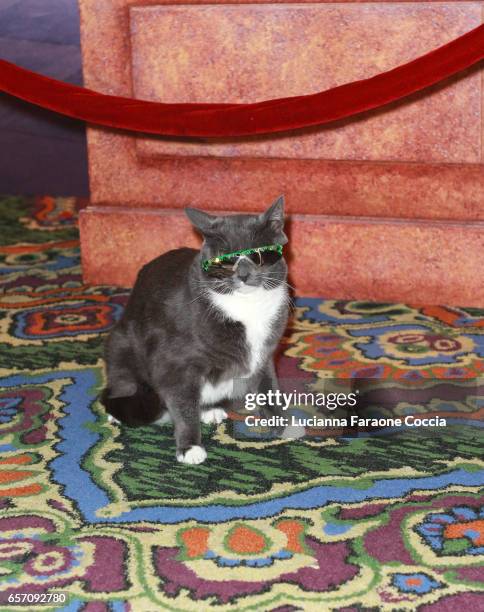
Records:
x=205, y=223
x=273, y=217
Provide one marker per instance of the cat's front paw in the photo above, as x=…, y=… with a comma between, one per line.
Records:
x=213, y=416
x=193, y=456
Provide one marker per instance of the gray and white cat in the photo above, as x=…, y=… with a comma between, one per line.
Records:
x=188, y=332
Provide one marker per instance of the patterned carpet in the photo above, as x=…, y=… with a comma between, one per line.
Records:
x=105, y=515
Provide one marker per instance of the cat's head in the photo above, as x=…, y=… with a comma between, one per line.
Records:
x=224, y=236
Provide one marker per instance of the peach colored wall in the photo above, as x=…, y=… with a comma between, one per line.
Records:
x=417, y=162
x=337, y=257
x=246, y=53
x=165, y=51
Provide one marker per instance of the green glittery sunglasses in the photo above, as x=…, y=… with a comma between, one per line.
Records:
x=267, y=255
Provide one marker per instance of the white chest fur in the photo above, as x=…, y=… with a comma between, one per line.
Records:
x=257, y=312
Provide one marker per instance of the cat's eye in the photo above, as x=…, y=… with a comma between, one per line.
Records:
x=266, y=255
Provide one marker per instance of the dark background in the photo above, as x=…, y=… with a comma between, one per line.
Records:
x=41, y=152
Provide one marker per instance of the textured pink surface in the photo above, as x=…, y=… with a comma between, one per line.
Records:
x=247, y=53
x=356, y=189
x=431, y=262
x=432, y=191
x=121, y=174
x=116, y=242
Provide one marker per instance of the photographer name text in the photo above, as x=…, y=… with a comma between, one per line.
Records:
x=353, y=421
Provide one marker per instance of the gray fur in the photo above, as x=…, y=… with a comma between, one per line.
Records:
x=173, y=339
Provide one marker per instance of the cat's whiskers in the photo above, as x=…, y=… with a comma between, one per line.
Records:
x=281, y=280
x=203, y=293
x=272, y=283
x=210, y=282
x=217, y=285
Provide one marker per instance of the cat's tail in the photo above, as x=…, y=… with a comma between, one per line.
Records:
x=142, y=408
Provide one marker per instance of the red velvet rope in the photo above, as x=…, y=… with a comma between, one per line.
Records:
x=231, y=120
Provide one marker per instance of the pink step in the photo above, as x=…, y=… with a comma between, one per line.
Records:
x=418, y=261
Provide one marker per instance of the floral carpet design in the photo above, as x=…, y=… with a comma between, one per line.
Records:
x=106, y=515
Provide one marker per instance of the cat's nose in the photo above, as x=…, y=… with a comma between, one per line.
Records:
x=243, y=270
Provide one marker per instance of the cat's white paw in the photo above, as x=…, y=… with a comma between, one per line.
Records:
x=293, y=432
x=112, y=419
x=193, y=456
x=164, y=419
x=214, y=415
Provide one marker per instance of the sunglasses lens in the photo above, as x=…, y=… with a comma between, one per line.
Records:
x=270, y=257
x=228, y=263
x=219, y=267
x=255, y=258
